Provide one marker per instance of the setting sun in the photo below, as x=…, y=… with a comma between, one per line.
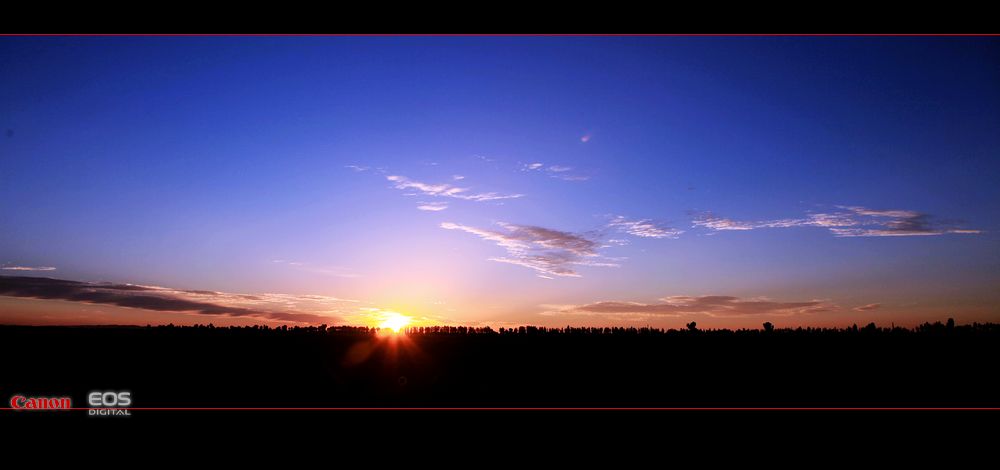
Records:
x=395, y=321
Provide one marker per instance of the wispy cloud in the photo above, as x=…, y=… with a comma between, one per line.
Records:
x=865, y=308
x=447, y=190
x=554, y=171
x=358, y=168
x=457, y=177
x=546, y=251
x=712, y=305
x=718, y=223
x=643, y=228
x=28, y=268
x=277, y=307
x=336, y=271
x=849, y=221
x=433, y=206
x=570, y=177
x=894, y=223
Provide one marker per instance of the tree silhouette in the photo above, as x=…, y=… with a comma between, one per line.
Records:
x=933, y=364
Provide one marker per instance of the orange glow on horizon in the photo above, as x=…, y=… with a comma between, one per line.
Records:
x=395, y=321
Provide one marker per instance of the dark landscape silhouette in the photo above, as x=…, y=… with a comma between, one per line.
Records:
x=932, y=365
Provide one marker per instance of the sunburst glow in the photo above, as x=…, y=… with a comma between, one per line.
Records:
x=395, y=321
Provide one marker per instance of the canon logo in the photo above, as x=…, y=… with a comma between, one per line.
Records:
x=20, y=402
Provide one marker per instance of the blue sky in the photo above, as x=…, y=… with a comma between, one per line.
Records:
x=576, y=180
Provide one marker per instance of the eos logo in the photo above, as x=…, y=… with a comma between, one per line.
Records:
x=109, y=403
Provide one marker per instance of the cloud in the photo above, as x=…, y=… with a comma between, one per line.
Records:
x=358, y=168
x=851, y=221
x=554, y=171
x=643, y=228
x=446, y=190
x=168, y=300
x=895, y=214
x=830, y=220
x=570, y=177
x=865, y=308
x=337, y=271
x=433, y=206
x=457, y=177
x=717, y=223
x=28, y=268
x=894, y=223
x=712, y=305
x=585, y=138
x=548, y=252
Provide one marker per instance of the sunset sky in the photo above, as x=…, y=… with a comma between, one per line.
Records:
x=499, y=180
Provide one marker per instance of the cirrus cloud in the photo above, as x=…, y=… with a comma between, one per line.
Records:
x=432, y=206
x=548, y=252
x=28, y=268
x=712, y=305
x=554, y=171
x=849, y=221
x=643, y=228
x=866, y=308
x=447, y=190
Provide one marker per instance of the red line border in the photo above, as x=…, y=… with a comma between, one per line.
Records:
x=430, y=35
x=500, y=408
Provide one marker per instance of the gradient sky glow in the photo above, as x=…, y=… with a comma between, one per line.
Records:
x=505, y=180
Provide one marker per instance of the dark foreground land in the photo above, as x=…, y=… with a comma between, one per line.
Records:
x=931, y=366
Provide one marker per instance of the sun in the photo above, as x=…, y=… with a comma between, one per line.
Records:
x=395, y=321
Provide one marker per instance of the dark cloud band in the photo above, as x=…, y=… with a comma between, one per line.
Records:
x=134, y=296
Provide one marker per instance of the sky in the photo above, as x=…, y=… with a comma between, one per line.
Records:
x=552, y=181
